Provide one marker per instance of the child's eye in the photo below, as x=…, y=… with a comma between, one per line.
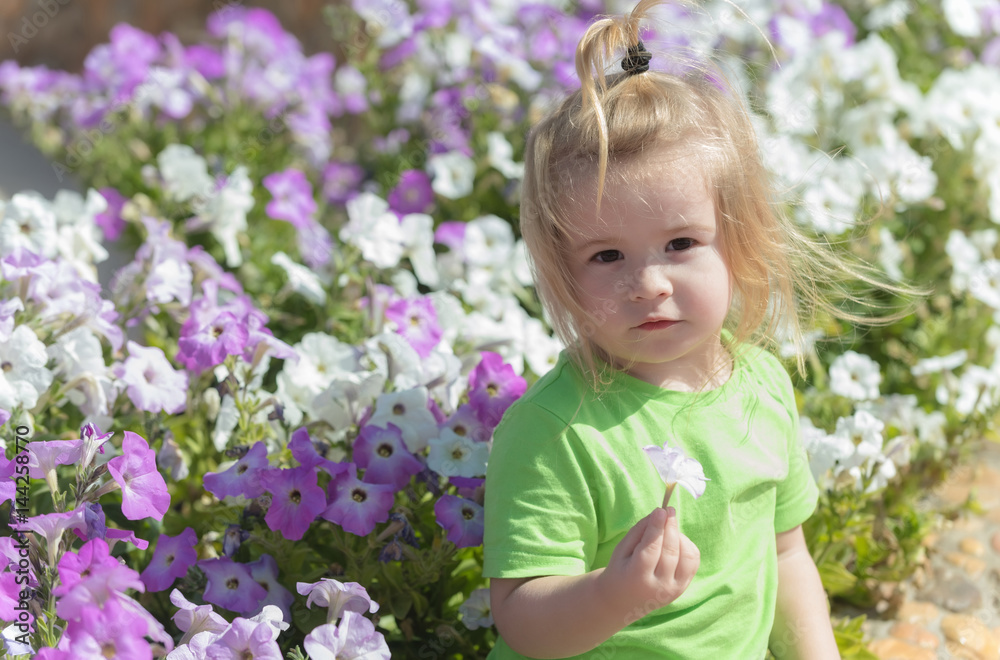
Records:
x=679, y=244
x=606, y=256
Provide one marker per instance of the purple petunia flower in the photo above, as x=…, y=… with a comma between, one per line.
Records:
x=465, y=422
x=173, y=556
x=493, y=386
x=413, y=193
x=357, y=506
x=151, y=383
x=304, y=451
x=452, y=234
x=231, y=586
x=265, y=571
x=205, y=346
x=338, y=597
x=94, y=518
x=293, y=197
x=246, y=638
x=296, y=500
x=416, y=320
x=354, y=637
x=243, y=478
x=832, y=18
x=462, y=518
x=110, y=220
x=383, y=455
x=144, y=492
x=341, y=181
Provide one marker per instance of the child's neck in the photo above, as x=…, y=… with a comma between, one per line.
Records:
x=697, y=374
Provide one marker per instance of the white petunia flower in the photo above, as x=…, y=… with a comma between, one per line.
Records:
x=984, y=283
x=452, y=174
x=224, y=213
x=185, y=173
x=855, y=376
x=475, y=611
x=489, y=242
x=864, y=432
x=322, y=359
x=225, y=423
x=408, y=410
x=301, y=280
x=963, y=16
x=890, y=255
x=453, y=455
x=977, y=390
x=23, y=376
x=388, y=21
x=374, y=229
x=965, y=259
x=938, y=363
x=417, y=234
x=500, y=155
x=79, y=363
x=825, y=451
x=28, y=222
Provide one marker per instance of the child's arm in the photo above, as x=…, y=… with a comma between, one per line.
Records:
x=801, y=628
x=559, y=616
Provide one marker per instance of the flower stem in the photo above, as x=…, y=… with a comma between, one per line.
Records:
x=666, y=496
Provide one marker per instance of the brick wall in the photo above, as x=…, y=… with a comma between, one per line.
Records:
x=60, y=33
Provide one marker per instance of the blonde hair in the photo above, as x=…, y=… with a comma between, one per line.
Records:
x=779, y=284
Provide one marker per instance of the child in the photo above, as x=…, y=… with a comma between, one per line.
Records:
x=661, y=264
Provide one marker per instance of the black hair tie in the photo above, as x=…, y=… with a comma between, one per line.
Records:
x=637, y=59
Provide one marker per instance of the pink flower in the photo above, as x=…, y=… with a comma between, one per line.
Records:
x=109, y=631
x=92, y=577
x=144, y=492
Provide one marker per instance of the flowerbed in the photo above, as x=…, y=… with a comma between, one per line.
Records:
x=267, y=433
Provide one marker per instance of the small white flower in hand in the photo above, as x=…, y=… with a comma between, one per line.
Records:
x=675, y=467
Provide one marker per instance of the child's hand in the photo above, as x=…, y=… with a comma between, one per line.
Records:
x=651, y=567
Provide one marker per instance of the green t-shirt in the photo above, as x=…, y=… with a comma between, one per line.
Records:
x=567, y=478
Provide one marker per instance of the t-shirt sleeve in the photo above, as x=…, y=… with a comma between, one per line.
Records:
x=797, y=494
x=540, y=517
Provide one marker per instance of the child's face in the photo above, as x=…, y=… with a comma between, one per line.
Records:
x=651, y=274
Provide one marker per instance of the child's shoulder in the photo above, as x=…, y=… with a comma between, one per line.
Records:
x=766, y=370
x=558, y=392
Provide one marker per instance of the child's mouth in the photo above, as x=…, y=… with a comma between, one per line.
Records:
x=656, y=325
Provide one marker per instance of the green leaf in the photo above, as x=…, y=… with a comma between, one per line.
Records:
x=836, y=579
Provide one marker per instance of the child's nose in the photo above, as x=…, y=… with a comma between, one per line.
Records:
x=651, y=281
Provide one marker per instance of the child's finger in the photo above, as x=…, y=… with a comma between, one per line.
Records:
x=671, y=550
x=649, y=544
x=636, y=535
x=687, y=565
